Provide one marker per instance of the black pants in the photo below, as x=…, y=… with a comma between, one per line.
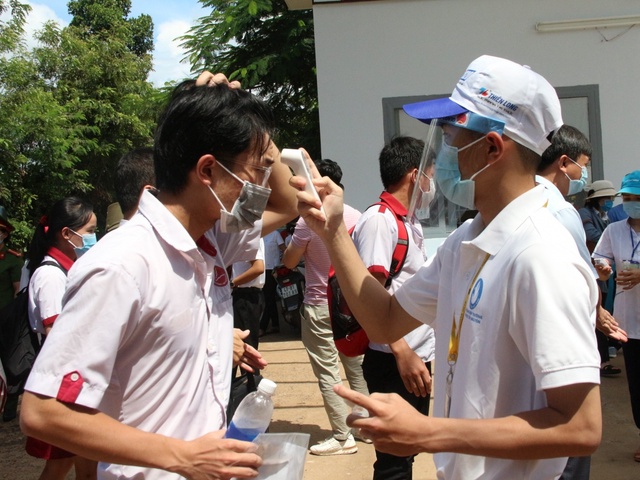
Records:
x=248, y=306
x=381, y=373
x=631, y=352
x=270, y=302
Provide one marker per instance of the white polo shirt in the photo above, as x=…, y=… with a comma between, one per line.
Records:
x=376, y=236
x=621, y=242
x=517, y=321
x=132, y=338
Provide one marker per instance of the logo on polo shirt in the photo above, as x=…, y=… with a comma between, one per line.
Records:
x=476, y=293
x=220, y=278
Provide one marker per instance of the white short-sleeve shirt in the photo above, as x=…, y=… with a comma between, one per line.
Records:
x=620, y=242
x=240, y=267
x=517, y=320
x=376, y=236
x=46, y=289
x=132, y=339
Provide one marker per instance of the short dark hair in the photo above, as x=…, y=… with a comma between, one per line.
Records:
x=134, y=170
x=201, y=120
x=398, y=157
x=328, y=168
x=567, y=141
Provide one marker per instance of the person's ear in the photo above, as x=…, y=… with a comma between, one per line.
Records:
x=66, y=233
x=562, y=163
x=205, y=169
x=495, y=146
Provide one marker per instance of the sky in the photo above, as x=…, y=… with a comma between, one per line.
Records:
x=171, y=18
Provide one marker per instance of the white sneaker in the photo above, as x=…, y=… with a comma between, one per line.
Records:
x=358, y=436
x=334, y=446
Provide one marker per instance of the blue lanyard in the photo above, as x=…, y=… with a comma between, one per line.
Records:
x=633, y=247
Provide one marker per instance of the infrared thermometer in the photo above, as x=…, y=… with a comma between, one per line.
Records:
x=295, y=160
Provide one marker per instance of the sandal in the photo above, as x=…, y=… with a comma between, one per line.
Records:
x=608, y=371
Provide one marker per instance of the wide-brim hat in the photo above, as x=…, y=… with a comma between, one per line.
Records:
x=631, y=183
x=4, y=221
x=503, y=90
x=600, y=188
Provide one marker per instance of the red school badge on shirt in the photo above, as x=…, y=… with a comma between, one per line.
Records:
x=220, y=278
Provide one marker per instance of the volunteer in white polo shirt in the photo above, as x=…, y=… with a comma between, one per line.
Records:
x=136, y=372
x=513, y=398
x=619, y=246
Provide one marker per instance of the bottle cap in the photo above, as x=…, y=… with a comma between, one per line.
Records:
x=267, y=386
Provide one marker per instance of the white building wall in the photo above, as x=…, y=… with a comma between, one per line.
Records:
x=370, y=50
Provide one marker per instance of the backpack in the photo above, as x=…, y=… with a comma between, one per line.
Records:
x=19, y=345
x=349, y=337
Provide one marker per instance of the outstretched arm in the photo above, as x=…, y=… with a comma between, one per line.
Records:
x=96, y=436
x=369, y=301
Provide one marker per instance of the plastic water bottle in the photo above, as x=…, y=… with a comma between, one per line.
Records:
x=253, y=414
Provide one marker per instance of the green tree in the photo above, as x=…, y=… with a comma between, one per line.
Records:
x=271, y=51
x=71, y=106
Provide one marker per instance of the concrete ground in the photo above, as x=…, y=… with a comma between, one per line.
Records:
x=299, y=408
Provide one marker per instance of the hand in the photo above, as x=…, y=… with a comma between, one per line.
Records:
x=394, y=426
x=604, y=271
x=627, y=279
x=213, y=457
x=608, y=325
x=210, y=79
x=413, y=371
x=244, y=355
x=324, y=224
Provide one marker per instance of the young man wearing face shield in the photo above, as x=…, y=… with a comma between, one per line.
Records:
x=144, y=387
x=513, y=398
x=404, y=366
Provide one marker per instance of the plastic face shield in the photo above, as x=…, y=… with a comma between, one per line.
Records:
x=425, y=188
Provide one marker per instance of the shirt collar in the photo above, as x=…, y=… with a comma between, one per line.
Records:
x=394, y=203
x=165, y=224
x=494, y=236
x=64, y=261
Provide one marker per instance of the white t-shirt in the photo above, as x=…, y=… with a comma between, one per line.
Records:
x=272, y=252
x=518, y=318
x=376, y=236
x=134, y=338
x=240, y=267
x=621, y=242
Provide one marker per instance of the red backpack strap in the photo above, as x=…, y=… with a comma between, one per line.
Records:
x=402, y=245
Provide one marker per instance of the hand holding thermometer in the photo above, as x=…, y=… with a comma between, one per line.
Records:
x=295, y=160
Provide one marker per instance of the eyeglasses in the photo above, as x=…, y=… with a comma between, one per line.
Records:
x=261, y=174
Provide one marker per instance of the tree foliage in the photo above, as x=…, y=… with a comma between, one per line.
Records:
x=71, y=106
x=271, y=51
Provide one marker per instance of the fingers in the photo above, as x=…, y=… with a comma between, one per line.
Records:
x=357, y=398
x=210, y=79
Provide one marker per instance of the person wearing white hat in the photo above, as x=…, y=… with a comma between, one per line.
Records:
x=513, y=399
x=619, y=247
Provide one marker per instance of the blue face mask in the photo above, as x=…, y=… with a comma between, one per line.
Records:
x=607, y=205
x=88, y=241
x=632, y=209
x=576, y=186
x=460, y=192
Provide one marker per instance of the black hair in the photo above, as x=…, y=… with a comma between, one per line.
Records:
x=201, y=120
x=71, y=212
x=398, y=157
x=567, y=141
x=328, y=168
x=134, y=170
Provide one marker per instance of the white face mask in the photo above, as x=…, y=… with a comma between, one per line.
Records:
x=247, y=209
x=422, y=211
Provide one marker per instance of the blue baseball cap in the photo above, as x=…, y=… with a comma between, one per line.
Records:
x=631, y=183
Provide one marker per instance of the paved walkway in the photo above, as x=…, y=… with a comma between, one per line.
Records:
x=299, y=408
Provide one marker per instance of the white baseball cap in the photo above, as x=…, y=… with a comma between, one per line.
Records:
x=503, y=90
